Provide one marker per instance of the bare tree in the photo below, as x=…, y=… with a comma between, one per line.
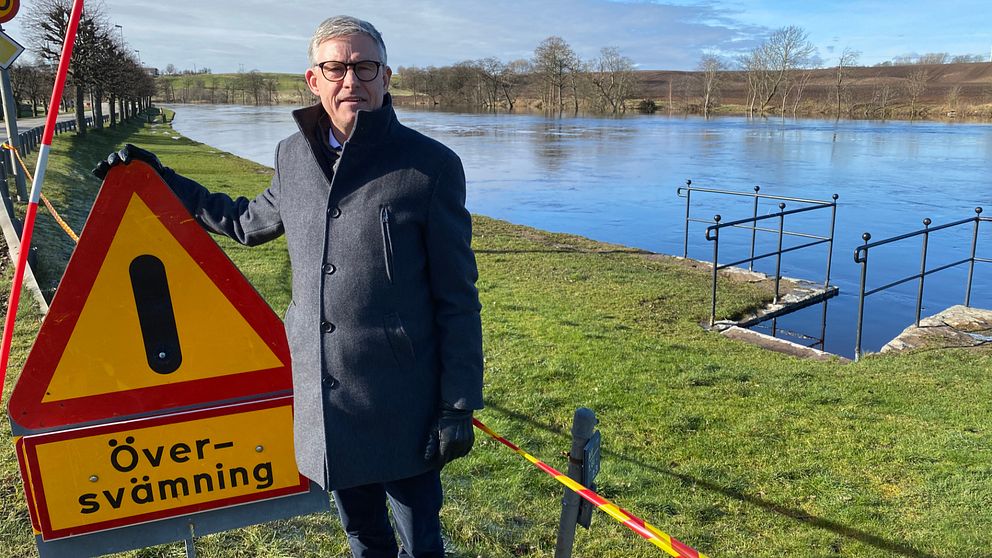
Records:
x=513, y=74
x=710, y=68
x=916, y=85
x=613, y=77
x=553, y=61
x=754, y=67
x=491, y=69
x=954, y=99
x=49, y=22
x=848, y=57
x=785, y=50
x=801, y=81
x=933, y=58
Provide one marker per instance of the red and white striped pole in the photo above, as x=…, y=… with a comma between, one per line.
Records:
x=39, y=177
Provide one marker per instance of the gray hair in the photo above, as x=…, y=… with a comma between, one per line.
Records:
x=343, y=26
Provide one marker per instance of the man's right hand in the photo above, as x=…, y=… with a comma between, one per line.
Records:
x=125, y=156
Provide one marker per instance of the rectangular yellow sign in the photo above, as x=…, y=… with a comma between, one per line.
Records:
x=118, y=474
x=9, y=50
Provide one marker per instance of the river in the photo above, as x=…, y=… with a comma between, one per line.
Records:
x=615, y=180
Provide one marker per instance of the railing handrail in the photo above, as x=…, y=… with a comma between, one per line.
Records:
x=781, y=213
x=688, y=188
x=927, y=229
x=713, y=233
x=861, y=257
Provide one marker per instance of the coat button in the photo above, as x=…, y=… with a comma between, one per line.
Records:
x=330, y=381
x=327, y=327
x=329, y=269
x=334, y=212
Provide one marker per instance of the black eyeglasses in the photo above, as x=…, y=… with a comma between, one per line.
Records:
x=365, y=70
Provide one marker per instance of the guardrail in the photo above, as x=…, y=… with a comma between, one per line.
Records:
x=861, y=257
x=751, y=223
x=29, y=140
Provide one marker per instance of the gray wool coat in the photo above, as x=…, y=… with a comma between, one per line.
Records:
x=384, y=320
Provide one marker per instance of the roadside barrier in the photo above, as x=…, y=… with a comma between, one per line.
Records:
x=51, y=209
x=667, y=543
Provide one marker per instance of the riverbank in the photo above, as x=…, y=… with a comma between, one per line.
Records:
x=733, y=450
x=939, y=92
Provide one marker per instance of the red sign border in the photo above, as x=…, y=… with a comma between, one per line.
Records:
x=12, y=13
x=30, y=454
x=27, y=407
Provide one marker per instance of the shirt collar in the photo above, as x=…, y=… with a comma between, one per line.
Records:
x=335, y=144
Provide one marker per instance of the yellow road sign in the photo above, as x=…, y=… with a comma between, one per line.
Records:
x=102, y=477
x=150, y=315
x=9, y=50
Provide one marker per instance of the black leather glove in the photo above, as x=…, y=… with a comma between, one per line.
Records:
x=453, y=437
x=125, y=156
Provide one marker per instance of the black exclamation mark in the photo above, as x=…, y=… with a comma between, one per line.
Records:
x=155, y=314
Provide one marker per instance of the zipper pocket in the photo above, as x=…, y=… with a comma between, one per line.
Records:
x=387, y=241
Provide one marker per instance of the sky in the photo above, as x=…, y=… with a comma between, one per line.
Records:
x=233, y=35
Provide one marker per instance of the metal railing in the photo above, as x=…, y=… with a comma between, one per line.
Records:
x=861, y=257
x=751, y=223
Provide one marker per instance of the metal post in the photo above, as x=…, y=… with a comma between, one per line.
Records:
x=971, y=266
x=583, y=425
x=754, y=228
x=778, y=256
x=685, y=244
x=923, y=269
x=861, y=295
x=190, y=543
x=716, y=254
x=10, y=119
x=823, y=327
x=830, y=245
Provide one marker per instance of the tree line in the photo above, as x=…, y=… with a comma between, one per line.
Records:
x=777, y=74
x=103, y=67
x=251, y=87
x=562, y=79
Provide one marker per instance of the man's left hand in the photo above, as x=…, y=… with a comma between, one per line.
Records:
x=455, y=435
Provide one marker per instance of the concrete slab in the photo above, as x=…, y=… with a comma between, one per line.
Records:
x=779, y=345
x=958, y=326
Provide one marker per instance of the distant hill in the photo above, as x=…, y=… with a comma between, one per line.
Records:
x=973, y=80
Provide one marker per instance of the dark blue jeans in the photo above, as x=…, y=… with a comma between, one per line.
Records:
x=416, y=503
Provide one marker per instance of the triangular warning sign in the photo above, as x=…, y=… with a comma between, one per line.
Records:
x=150, y=315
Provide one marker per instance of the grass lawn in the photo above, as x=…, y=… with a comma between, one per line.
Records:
x=734, y=450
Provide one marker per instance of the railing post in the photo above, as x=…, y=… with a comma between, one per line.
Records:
x=971, y=266
x=861, y=294
x=923, y=268
x=830, y=244
x=716, y=255
x=685, y=244
x=778, y=256
x=583, y=425
x=754, y=228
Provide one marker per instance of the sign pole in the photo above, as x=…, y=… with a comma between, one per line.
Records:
x=39, y=177
x=10, y=119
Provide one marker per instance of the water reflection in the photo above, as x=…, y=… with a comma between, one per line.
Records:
x=614, y=179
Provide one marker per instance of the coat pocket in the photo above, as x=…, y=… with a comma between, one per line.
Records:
x=399, y=341
x=385, y=218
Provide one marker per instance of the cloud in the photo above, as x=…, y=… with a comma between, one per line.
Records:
x=227, y=34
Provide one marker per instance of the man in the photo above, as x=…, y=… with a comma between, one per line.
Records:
x=384, y=325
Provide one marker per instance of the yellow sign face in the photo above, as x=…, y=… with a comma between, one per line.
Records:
x=91, y=365
x=9, y=49
x=108, y=476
